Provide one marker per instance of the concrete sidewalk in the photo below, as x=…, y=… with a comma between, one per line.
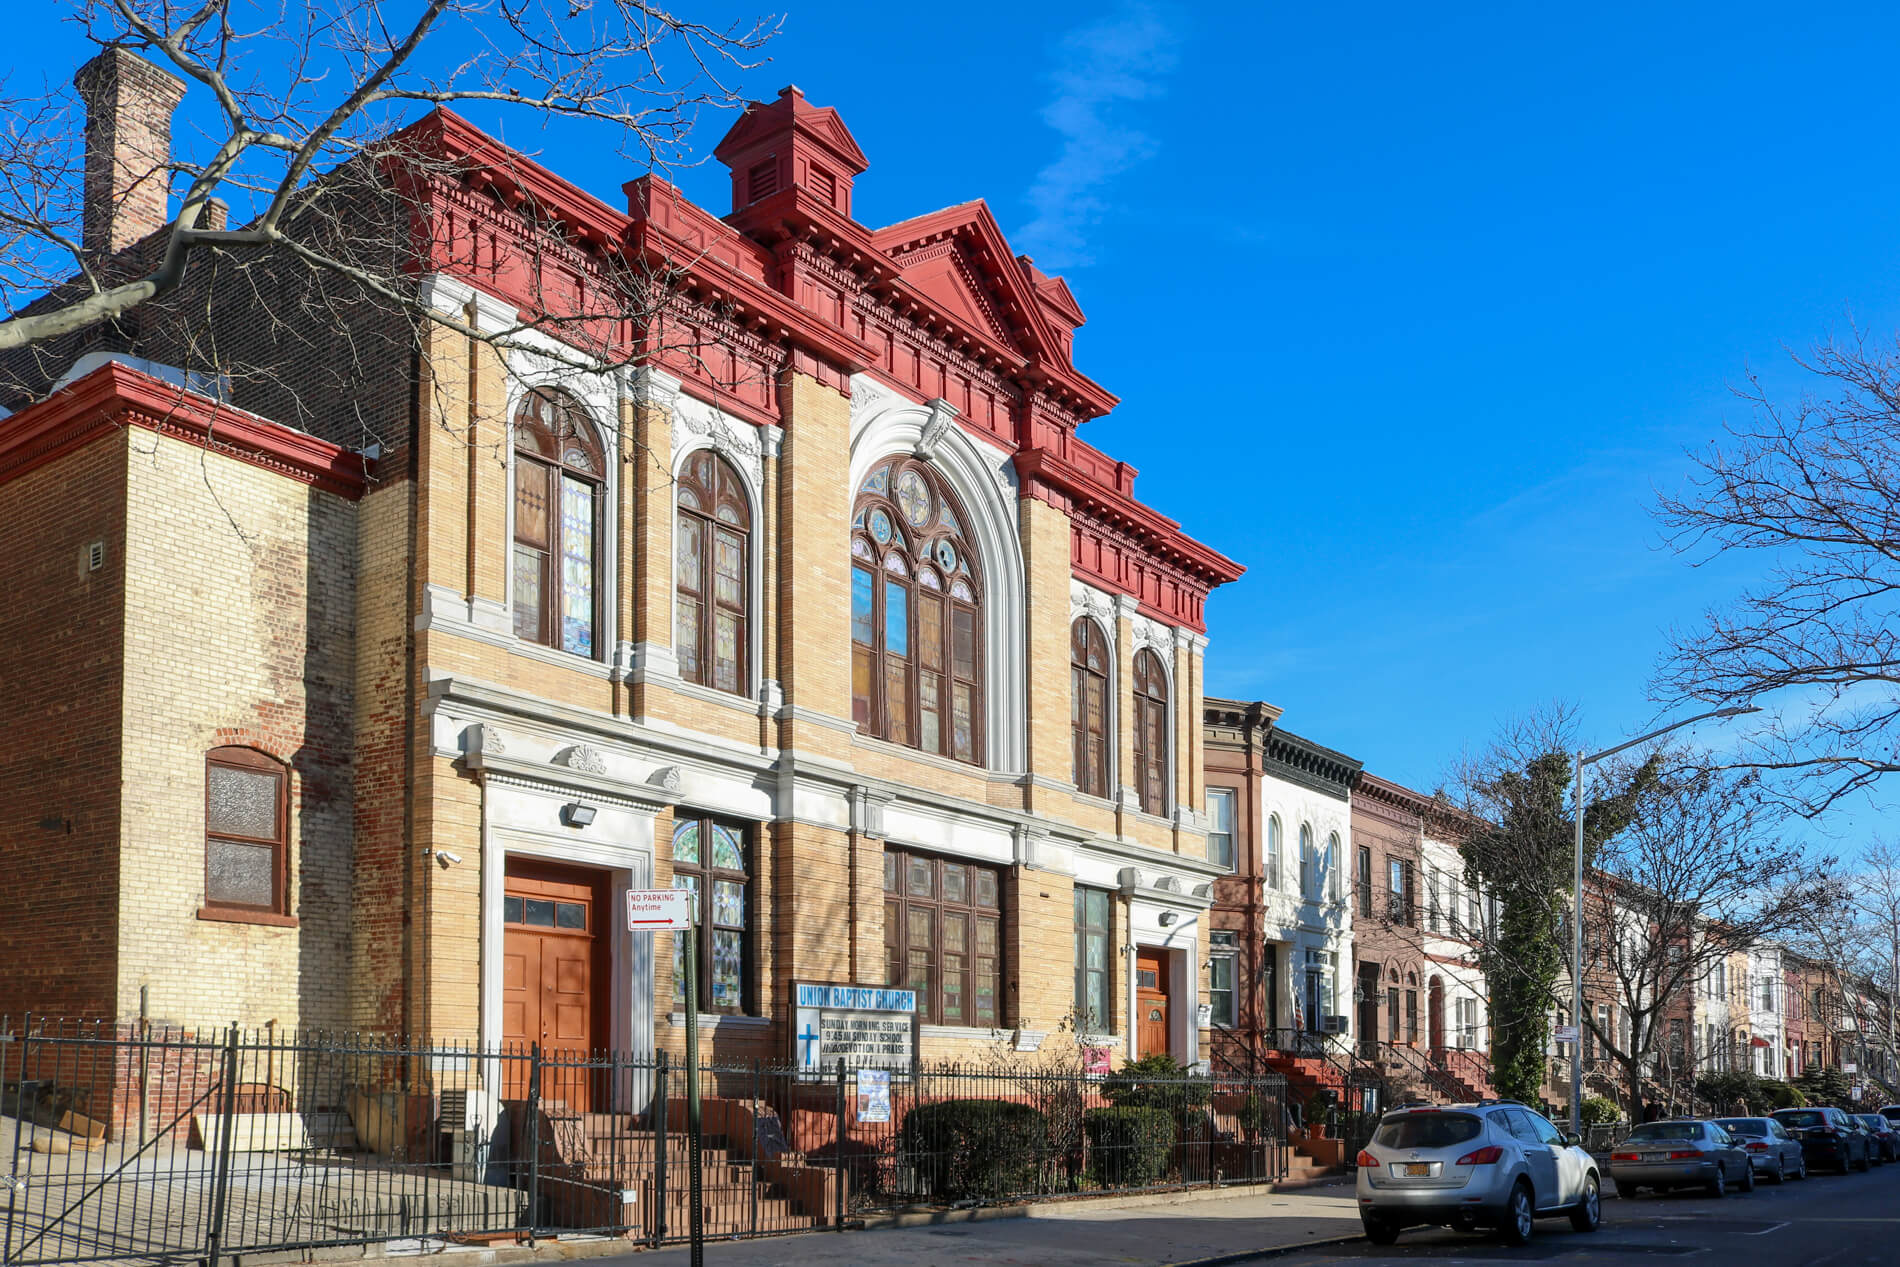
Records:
x=1184, y=1228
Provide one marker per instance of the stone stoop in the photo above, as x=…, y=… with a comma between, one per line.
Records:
x=602, y=1170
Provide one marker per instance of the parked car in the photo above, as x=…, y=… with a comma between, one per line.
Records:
x=1891, y=1112
x=1682, y=1153
x=1886, y=1140
x=1490, y=1164
x=1829, y=1137
x=1775, y=1153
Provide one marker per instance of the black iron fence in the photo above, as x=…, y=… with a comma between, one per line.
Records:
x=166, y=1144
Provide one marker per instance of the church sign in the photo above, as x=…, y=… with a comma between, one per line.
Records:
x=869, y=1027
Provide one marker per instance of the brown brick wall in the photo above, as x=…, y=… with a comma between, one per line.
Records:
x=61, y=684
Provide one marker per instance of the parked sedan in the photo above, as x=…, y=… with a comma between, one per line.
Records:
x=1774, y=1153
x=1829, y=1137
x=1886, y=1138
x=1685, y=1153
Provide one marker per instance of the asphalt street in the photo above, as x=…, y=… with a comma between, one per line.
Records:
x=1825, y=1221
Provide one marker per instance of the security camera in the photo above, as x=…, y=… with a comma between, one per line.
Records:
x=445, y=859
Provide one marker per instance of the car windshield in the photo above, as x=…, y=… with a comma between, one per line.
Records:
x=1668, y=1130
x=1427, y=1130
x=1874, y=1120
x=1743, y=1125
x=1802, y=1117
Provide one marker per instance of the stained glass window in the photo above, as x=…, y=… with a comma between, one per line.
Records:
x=1088, y=706
x=917, y=665
x=1151, y=733
x=709, y=857
x=710, y=544
x=245, y=831
x=943, y=937
x=554, y=580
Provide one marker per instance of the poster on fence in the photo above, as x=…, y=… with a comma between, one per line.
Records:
x=1095, y=1060
x=868, y=1027
x=874, y=1095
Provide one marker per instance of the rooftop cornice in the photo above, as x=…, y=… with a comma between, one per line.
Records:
x=116, y=395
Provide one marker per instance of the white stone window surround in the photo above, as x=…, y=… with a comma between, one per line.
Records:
x=700, y=427
x=536, y=359
x=1161, y=639
x=598, y=400
x=885, y=424
x=1088, y=603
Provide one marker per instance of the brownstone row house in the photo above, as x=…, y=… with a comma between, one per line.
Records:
x=845, y=628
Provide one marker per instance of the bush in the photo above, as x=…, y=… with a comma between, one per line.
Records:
x=974, y=1149
x=1600, y=1111
x=1129, y=1147
x=1156, y=1081
x=1779, y=1095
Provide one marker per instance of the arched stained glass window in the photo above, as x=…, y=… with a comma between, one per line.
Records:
x=916, y=616
x=1152, y=729
x=559, y=477
x=1088, y=705
x=710, y=543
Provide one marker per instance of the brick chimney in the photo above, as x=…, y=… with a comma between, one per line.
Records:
x=129, y=104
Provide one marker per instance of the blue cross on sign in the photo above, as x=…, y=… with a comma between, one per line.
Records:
x=806, y=1037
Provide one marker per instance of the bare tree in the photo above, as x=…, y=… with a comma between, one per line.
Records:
x=1811, y=486
x=1701, y=873
x=300, y=91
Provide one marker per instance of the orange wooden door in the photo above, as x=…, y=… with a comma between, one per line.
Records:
x=1151, y=1001
x=551, y=979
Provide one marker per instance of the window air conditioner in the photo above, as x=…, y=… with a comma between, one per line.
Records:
x=469, y=1118
x=1332, y=1024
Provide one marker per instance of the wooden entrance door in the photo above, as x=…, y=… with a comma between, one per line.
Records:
x=1435, y=1016
x=553, y=980
x=1151, y=1001
x=1368, y=993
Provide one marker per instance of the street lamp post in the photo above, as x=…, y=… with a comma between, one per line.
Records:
x=1576, y=907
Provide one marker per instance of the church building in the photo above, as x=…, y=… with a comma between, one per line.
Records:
x=823, y=609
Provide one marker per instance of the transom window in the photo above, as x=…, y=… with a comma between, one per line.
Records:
x=559, y=475
x=709, y=857
x=916, y=615
x=1088, y=705
x=943, y=937
x=1151, y=733
x=246, y=807
x=709, y=546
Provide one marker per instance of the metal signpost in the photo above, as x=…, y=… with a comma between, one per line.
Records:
x=673, y=910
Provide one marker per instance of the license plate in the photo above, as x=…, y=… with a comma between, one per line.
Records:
x=1415, y=1169
x=1652, y=1156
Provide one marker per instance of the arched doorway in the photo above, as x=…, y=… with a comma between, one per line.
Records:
x=1435, y=1015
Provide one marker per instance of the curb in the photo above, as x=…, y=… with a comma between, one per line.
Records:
x=1266, y=1251
x=931, y=1218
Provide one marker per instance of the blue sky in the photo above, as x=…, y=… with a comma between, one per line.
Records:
x=1436, y=294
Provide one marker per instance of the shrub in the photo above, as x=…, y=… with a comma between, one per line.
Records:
x=1779, y=1095
x=1156, y=1081
x=1600, y=1111
x=974, y=1149
x=1129, y=1147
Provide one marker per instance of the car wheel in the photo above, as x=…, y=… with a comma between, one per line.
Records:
x=1801, y=1172
x=1519, y=1215
x=1588, y=1216
x=1748, y=1176
x=1718, y=1186
x=1378, y=1231
x=1866, y=1162
x=1781, y=1172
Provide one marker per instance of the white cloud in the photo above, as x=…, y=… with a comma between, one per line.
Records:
x=1123, y=58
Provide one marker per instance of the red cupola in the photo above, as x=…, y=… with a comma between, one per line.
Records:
x=791, y=143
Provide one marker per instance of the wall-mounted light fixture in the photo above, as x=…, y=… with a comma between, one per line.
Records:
x=1168, y=919
x=577, y=813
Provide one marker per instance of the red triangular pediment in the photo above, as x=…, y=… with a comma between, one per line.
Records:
x=959, y=259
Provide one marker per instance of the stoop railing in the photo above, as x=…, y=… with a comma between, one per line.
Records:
x=167, y=1144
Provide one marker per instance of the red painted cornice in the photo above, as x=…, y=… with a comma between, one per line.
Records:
x=115, y=395
x=1041, y=468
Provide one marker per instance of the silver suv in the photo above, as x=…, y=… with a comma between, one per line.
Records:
x=1490, y=1164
